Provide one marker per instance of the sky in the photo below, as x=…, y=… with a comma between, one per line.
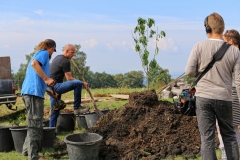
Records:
x=104, y=29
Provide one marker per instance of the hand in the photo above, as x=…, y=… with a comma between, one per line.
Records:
x=54, y=95
x=50, y=82
x=85, y=85
x=50, y=93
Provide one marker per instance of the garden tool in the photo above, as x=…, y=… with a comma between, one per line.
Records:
x=88, y=90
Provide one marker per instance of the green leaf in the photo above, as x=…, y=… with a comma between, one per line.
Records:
x=137, y=48
x=145, y=57
x=163, y=33
x=136, y=41
x=152, y=32
x=146, y=52
x=145, y=62
x=141, y=21
x=153, y=64
x=150, y=22
x=156, y=50
x=142, y=29
x=143, y=41
x=136, y=29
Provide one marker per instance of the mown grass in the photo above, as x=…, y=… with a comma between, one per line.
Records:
x=5, y=111
x=13, y=155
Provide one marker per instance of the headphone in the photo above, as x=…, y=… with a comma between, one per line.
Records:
x=207, y=28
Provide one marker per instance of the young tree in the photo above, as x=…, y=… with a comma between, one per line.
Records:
x=159, y=76
x=143, y=32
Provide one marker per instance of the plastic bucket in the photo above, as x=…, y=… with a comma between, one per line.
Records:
x=83, y=146
x=48, y=137
x=46, y=123
x=6, y=140
x=81, y=121
x=92, y=118
x=18, y=134
x=65, y=122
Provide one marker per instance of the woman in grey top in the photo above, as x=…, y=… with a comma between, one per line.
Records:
x=232, y=37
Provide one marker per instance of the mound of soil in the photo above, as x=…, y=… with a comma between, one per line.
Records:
x=149, y=129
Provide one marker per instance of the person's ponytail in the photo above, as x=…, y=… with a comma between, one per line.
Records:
x=48, y=43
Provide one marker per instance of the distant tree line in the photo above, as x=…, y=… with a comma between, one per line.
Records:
x=132, y=79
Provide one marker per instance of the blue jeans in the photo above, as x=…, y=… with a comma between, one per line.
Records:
x=208, y=110
x=61, y=88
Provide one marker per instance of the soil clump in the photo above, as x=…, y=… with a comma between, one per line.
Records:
x=149, y=129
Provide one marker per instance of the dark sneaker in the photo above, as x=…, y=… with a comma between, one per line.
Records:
x=81, y=110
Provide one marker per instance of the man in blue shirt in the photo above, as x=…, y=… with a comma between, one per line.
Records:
x=33, y=90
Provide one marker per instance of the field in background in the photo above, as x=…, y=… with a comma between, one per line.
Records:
x=101, y=94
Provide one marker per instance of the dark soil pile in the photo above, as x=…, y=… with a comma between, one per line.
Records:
x=147, y=128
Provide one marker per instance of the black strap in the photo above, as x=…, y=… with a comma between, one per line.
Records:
x=217, y=57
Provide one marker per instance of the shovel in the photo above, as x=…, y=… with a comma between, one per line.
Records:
x=88, y=90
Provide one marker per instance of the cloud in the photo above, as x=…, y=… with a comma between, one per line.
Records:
x=39, y=12
x=5, y=46
x=121, y=44
x=90, y=43
x=166, y=44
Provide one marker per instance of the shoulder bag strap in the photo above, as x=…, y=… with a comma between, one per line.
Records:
x=217, y=57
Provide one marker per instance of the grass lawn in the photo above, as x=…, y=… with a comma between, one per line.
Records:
x=13, y=155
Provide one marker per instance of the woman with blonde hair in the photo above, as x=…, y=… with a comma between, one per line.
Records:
x=232, y=37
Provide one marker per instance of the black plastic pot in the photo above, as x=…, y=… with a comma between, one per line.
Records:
x=46, y=123
x=92, y=118
x=48, y=137
x=81, y=121
x=83, y=146
x=65, y=122
x=6, y=140
x=18, y=134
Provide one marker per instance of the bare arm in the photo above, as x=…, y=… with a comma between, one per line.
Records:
x=38, y=69
x=68, y=76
